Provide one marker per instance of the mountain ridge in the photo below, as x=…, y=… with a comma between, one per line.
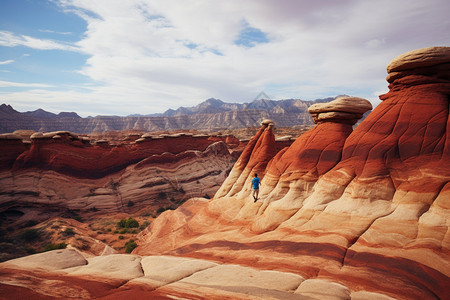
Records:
x=211, y=114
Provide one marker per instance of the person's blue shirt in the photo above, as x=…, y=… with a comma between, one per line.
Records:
x=255, y=183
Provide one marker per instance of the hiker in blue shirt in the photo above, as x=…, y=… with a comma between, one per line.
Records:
x=255, y=186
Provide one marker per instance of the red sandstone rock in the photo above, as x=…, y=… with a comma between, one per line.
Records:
x=365, y=218
x=254, y=159
x=65, y=153
x=376, y=203
x=11, y=146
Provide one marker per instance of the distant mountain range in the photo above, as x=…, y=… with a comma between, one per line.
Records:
x=212, y=114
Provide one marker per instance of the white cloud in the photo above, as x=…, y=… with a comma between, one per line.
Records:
x=57, y=32
x=5, y=62
x=9, y=39
x=161, y=54
x=20, y=84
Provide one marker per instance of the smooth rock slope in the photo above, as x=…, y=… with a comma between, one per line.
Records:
x=342, y=214
x=368, y=209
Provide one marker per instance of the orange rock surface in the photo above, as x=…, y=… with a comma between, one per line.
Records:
x=342, y=214
x=369, y=209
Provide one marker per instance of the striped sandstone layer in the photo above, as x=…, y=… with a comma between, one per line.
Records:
x=342, y=214
x=368, y=209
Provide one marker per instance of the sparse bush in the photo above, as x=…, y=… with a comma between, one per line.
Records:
x=130, y=203
x=130, y=245
x=123, y=231
x=29, y=235
x=122, y=223
x=120, y=237
x=128, y=223
x=50, y=247
x=160, y=210
x=145, y=225
x=132, y=223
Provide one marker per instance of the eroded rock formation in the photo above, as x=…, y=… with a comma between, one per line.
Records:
x=62, y=171
x=368, y=209
x=342, y=214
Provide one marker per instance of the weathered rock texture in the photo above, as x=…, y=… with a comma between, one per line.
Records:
x=61, y=171
x=367, y=209
x=342, y=214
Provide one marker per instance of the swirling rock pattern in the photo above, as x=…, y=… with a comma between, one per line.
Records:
x=368, y=209
x=342, y=214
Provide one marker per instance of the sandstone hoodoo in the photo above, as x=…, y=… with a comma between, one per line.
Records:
x=368, y=209
x=343, y=213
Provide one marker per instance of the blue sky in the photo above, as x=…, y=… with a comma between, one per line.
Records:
x=115, y=57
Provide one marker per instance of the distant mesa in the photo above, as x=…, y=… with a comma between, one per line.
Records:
x=211, y=115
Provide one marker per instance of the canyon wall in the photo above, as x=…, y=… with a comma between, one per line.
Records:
x=61, y=171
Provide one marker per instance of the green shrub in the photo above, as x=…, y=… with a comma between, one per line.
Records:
x=29, y=235
x=130, y=245
x=120, y=237
x=160, y=210
x=125, y=230
x=50, y=247
x=122, y=223
x=132, y=223
x=128, y=223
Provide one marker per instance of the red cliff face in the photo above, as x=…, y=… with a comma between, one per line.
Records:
x=66, y=171
x=368, y=209
x=65, y=153
x=11, y=146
